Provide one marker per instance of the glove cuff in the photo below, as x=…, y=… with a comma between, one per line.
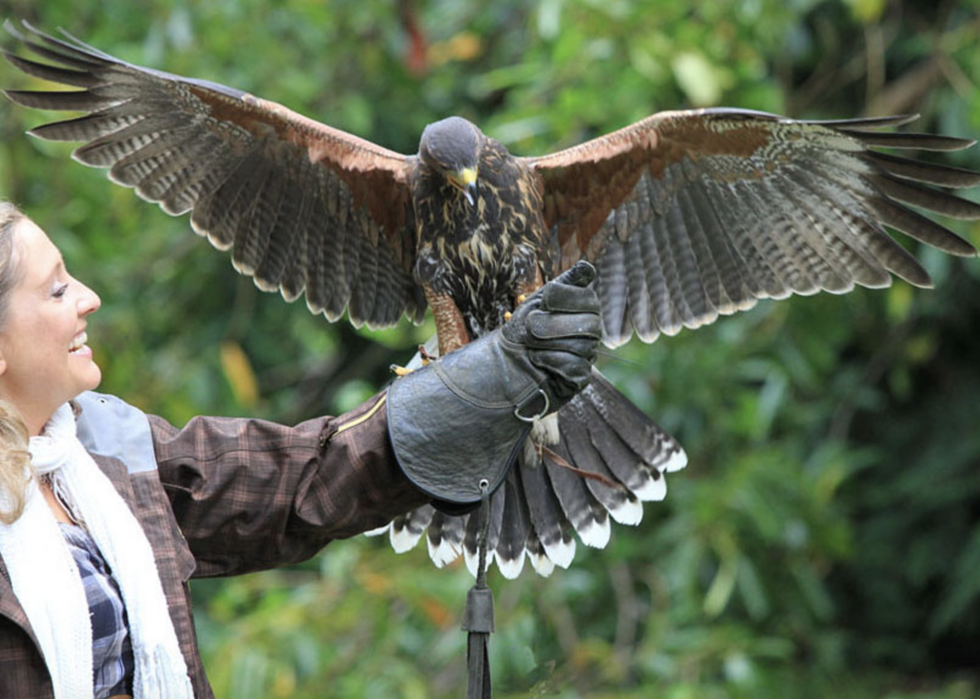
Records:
x=446, y=442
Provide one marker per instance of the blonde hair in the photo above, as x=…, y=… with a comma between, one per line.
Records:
x=15, y=460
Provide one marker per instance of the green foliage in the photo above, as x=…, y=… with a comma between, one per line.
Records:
x=825, y=537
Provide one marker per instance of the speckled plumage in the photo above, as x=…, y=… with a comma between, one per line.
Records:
x=486, y=253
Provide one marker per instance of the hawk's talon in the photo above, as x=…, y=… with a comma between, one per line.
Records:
x=518, y=300
x=426, y=358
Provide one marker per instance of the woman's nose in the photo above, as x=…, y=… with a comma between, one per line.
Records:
x=89, y=301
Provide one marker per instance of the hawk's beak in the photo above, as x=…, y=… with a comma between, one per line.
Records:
x=465, y=181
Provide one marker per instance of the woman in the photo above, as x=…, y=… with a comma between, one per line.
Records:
x=106, y=513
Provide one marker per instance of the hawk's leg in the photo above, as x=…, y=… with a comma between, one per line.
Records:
x=450, y=326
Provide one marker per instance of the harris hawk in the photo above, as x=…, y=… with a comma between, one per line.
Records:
x=687, y=215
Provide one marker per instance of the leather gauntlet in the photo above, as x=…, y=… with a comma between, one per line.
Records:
x=457, y=425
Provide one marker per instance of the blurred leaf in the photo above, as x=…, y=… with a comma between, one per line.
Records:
x=700, y=81
x=238, y=371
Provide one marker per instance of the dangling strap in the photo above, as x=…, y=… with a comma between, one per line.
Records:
x=478, y=619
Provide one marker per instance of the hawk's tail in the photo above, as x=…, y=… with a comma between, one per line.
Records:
x=606, y=458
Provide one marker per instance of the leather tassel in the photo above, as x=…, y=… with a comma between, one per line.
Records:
x=478, y=617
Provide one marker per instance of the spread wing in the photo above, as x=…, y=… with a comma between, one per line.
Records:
x=694, y=214
x=302, y=206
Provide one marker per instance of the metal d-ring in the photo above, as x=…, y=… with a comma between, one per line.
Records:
x=533, y=418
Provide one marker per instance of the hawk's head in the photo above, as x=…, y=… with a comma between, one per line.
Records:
x=452, y=148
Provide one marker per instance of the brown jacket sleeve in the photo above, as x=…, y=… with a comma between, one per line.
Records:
x=251, y=494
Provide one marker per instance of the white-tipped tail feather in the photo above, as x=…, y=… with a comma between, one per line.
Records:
x=653, y=489
x=596, y=534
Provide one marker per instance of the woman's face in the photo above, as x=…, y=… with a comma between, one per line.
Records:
x=44, y=360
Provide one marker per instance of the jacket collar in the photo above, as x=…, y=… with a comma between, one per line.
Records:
x=9, y=606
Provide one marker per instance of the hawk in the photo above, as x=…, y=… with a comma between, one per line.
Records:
x=687, y=216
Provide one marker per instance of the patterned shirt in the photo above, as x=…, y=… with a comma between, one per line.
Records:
x=112, y=654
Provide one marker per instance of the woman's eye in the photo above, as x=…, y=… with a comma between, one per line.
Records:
x=60, y=291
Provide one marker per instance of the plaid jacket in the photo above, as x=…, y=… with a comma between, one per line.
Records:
x=223, y=496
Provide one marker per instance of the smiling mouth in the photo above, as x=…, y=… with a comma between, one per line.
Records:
x=78, y=342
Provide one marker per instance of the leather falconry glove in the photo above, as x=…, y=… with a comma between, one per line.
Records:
x=458, y=424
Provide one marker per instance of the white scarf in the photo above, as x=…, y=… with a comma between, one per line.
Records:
x=49, y=588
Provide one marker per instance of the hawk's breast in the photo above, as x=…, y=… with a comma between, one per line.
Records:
x=482, y=254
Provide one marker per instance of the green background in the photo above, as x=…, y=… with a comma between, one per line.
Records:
x=825, y=538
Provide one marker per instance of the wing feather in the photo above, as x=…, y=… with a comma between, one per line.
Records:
x=639, y=279
x=611, y=287
x=930, y=199
x=854, y=251
x=302, y=206
x=290, y=216
x=806, y=242
x=928, y=173
x=759, y=279
x=701, y=213
x=714, y=265
x=168, y=169
x=44, y=71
